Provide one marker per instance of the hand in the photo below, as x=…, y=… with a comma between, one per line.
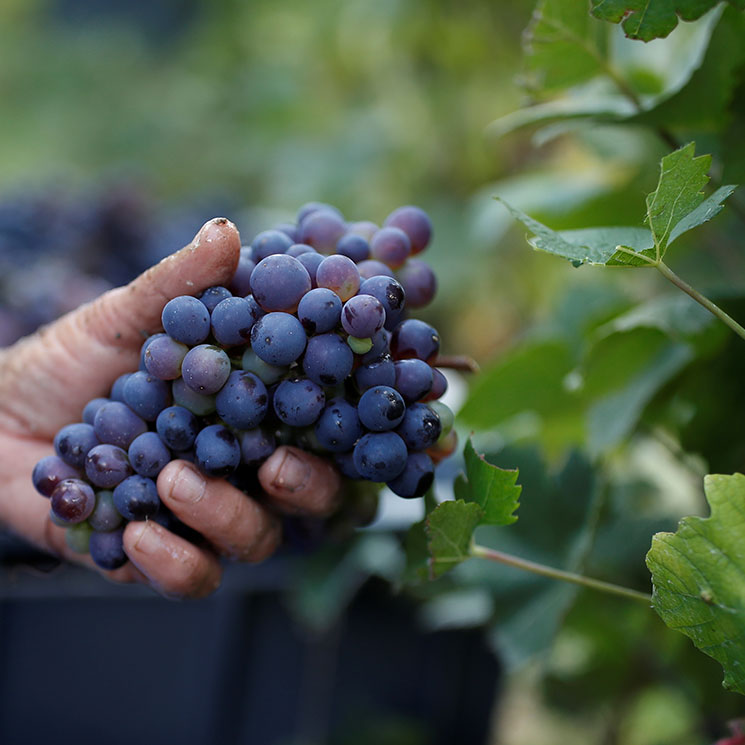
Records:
x=47, y=378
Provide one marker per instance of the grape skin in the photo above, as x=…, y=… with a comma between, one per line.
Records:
x=380, y=456
x=328, y=359
x=381, y=408
x=73, y=500
x=49, y=471
x=298, y=402
x=186, y=319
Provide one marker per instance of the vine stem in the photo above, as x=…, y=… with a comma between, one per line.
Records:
x=482, y=552
x=668, y=273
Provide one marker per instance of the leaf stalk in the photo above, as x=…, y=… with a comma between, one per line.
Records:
x=482, y=552
x=669, y=274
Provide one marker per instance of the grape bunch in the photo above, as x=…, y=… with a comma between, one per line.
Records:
x=310, y=345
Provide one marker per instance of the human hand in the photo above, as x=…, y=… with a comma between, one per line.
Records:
x=48, y=377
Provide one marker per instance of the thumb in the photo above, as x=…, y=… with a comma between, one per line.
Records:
x=47, y=378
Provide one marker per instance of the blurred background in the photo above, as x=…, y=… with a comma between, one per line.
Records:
x=126, y=125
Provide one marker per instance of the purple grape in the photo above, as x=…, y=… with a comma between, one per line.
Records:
x=345, y=464
x=116, y=424
x=380, y=456
x=381, y=408
x=439, y=386
x=289, y=229
x=243, y=400
x=415, y=222
x=413, y=379
x=381, y=372
x=186, y=319
x=212, y=296
x=340, y=274
x=73, y=442
x=388, y=291
x=233, y=319
x=278, y=283
x=298, y=249
x=164, y=356
x=107, y=465
x=89, y=412
x=268, y=243
x=146, y=345
x=136, y=498
x=322, y=229
x=107, y=549
x=205, y=369
x=354, y=247
x=319, y=310
x=419, y=283
x=48, y=472
x=414, y=338
x=73, y=500
x=391, y=246
x=148, y=454
x=256, y=446
x=311, y=262
x=310, y=207
x=240, y=284
x=338, y=427
x=362, y=316
x=380, y=347
x=416, y=478
x=363, y=228
x=372, y=268
x=177, y=427
x=117, y=390
x=420, y=427
x=217, y=452
x=278, y=338
x=105, y=516
x=298, y=402
x=146, y=395
x=328, y=359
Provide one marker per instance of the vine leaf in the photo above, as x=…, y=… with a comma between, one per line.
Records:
x=493, y=488
x=698, y=574
x=486, y=495
x=676, y=206
x=564, y=45
x=653, y=19
x=450, y=529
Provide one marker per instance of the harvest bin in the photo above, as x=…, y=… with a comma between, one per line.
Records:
x=86, y=661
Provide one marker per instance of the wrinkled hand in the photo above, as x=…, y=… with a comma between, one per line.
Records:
x=47, y=378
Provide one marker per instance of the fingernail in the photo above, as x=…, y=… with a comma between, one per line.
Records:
x=146, y=537
x=293, y=473
x=187, y=485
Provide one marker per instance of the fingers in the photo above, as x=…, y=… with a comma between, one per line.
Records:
x=237, y=526
x=173, y=566
x=299, y=482
x=84, y=351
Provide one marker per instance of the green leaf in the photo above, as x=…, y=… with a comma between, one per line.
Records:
x=653, y=19
x=699, y=577
x=702, y=103
x=493, y=488
x=564, y=45
x=678, y=193
x=676, y=206
x=450, y=529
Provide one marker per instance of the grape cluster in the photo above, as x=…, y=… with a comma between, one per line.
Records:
x=309, y=345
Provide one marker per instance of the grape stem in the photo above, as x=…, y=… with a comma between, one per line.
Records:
x=460, y=362
x=669, y=274
x=482, y=552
